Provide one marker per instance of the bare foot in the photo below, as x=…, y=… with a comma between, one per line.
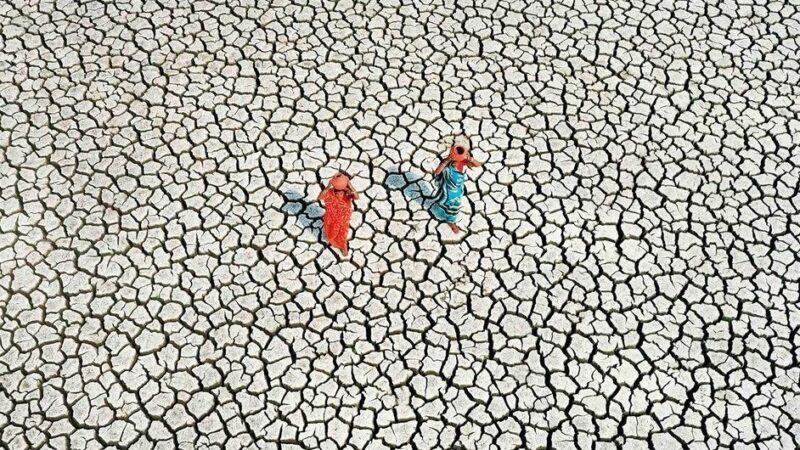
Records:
x=455, y=228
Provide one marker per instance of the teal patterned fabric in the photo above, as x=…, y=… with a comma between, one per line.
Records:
x=447, y=200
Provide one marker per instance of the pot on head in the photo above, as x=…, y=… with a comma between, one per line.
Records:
x=459, y=153
x=340, y=181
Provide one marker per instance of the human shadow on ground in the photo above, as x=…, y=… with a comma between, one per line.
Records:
x=414, y=186
x=308, y=212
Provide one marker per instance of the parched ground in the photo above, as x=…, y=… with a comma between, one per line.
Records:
x=629, y=278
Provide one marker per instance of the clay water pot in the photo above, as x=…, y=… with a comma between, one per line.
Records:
x=340, y=181
x=459, y=153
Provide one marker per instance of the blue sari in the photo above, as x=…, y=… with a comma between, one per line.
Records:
x=447, y=199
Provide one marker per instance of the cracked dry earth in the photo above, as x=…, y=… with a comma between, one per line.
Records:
x=629, y=277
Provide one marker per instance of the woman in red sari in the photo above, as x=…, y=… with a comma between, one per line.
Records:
x=338, y=199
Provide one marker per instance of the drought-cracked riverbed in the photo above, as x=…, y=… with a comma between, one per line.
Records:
x=628, y=277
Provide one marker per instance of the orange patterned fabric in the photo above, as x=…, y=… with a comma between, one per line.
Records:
x=336, y=220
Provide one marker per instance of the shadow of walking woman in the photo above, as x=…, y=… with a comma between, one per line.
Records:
x=308, y=212
x=412, y=184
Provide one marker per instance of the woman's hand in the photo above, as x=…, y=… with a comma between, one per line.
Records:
x=322, y=192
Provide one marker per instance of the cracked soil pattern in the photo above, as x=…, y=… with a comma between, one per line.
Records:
x=628, y=277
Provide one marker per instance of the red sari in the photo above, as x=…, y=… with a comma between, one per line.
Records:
x=336, y=220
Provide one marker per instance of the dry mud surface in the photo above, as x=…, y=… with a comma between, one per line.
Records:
x=629, y=277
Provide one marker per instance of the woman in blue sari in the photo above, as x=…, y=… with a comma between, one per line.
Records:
x=451, y=176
